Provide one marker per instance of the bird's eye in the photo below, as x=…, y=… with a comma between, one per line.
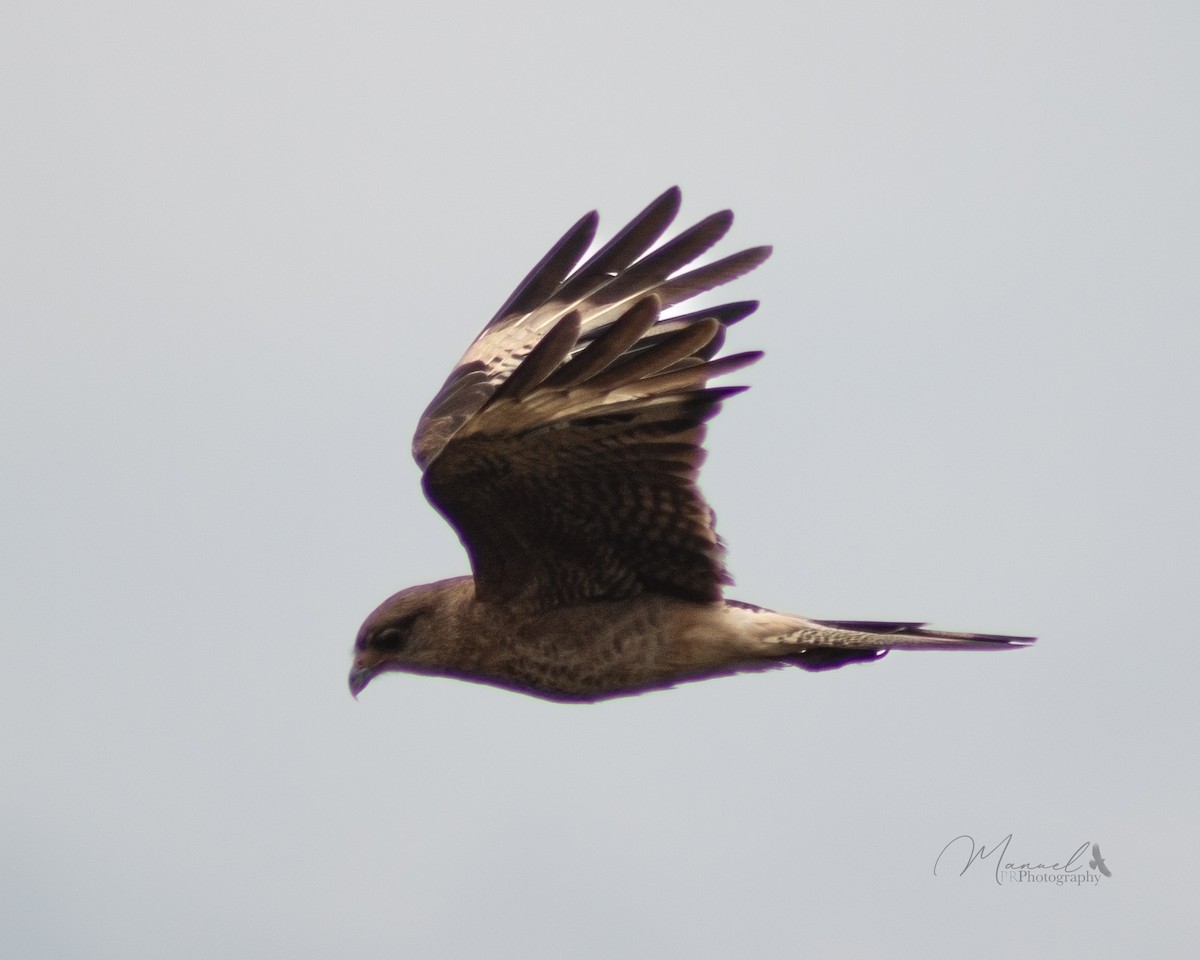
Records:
x=389, y=640
x=394, y=637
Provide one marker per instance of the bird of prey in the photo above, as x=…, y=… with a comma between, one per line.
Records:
x=564, y=449
x=1097, y=861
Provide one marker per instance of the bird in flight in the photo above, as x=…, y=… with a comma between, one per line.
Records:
x=564, y=449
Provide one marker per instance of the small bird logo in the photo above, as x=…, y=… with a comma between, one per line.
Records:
x=1097, y=861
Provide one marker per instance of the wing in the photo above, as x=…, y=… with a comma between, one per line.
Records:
x=565, y=446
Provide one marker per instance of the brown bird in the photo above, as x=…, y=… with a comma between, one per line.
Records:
x=564, y=449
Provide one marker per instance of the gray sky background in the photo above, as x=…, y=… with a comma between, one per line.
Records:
x=243, y=245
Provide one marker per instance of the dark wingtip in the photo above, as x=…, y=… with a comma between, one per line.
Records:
x=661, y=212
x=722, y=218
x=672, y=194
x=759, y=254
x=552, y=269
x=663, y=209
x=731, y=313
x=717, y=394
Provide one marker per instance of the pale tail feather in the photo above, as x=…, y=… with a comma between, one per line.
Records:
x=828, y=644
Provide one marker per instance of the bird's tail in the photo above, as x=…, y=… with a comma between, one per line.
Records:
x=828, y=644
x=918, y=636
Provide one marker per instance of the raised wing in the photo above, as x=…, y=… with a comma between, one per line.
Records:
x=565, y=446
x=600, y=290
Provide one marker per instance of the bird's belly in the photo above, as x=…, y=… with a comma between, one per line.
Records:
x=594, y=650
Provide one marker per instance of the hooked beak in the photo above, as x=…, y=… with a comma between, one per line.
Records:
x=360, y=676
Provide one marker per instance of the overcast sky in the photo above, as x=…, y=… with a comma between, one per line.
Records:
x=243, y=245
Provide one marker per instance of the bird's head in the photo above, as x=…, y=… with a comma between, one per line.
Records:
x=388, y=637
